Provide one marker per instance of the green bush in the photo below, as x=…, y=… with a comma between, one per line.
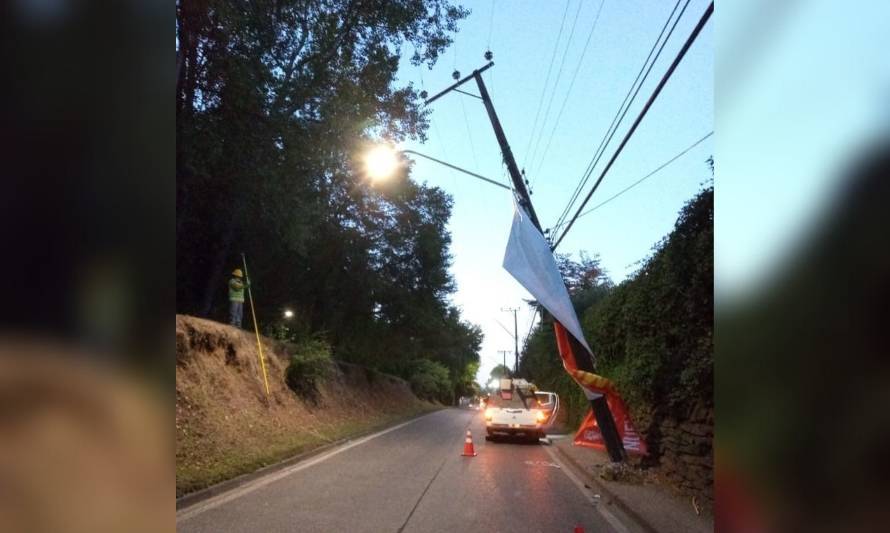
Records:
x=653, y=335
x=293, y=330
x=310, y=363
x=430, y=380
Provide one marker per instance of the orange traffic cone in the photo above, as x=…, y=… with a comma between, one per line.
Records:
x=468, y=446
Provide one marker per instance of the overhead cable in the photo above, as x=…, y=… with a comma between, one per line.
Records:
x=667, y=75
x=629, y=98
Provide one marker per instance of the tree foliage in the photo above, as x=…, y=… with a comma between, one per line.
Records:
x=654, y=334
x=498, y=372
x=430, y=380
x=276, y=102
x=309, y=364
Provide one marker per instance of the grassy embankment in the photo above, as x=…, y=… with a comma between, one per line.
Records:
x=225, y=425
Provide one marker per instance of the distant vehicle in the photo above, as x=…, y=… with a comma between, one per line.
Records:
x=470, y=402
x=519, y=409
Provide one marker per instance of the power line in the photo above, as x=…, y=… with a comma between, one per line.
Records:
x=633, y=128
x=503, y=327
x=647, y=176
x=454, y=54
x=439, y=138
x=531, y=325
x=487, y=54
x=568, y=93
x=527, y=335
x=562, y=63
x=469, y=133
x=491, y=23
x=629, y=98
x=546, y=82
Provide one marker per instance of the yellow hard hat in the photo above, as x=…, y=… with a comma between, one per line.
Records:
x=237, y=273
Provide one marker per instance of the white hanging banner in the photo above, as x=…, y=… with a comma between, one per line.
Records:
x=529, y=259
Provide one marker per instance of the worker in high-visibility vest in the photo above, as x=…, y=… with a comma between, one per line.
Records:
x=236, y=297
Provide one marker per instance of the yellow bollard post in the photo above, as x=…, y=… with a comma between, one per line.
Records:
x=256, y=329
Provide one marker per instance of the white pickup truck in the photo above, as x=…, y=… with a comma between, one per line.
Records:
x=519, y=409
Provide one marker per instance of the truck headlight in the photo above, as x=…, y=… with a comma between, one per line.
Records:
x=488, y=414
x=540, y=417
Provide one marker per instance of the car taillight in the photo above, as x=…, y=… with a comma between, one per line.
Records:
x=488, y=414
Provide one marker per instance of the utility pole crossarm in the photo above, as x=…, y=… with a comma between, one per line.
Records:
x=459, y=83
x=506, y=152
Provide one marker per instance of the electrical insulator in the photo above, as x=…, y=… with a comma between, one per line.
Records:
x=488, y=55
x=455, y=75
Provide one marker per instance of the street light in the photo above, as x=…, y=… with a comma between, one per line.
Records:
x=382, y=161
x=288, y=314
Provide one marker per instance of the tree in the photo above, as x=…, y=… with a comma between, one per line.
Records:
x=275, y=104
x=499, y=372
x=429, y=380
x=586, y=280
x=272, y=103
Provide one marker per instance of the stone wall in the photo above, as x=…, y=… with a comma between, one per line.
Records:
x=684, y=450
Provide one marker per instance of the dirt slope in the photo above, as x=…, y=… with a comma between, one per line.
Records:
x=225, y=426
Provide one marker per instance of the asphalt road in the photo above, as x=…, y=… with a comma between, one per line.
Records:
x=411, y=478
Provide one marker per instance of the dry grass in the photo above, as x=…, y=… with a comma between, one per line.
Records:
x=225, y=425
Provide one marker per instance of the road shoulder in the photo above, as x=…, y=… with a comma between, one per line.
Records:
x=193, y=498
x=653, y=508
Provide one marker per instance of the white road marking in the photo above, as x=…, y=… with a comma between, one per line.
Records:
x=601, y=509
x=542, y=463
x=235, y=493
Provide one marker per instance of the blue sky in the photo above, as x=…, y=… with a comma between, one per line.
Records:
x=522, y=35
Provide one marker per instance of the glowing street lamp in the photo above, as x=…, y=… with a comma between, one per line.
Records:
x=288, y=314
x=381, y=162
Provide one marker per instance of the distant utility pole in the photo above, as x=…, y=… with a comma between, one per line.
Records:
x=514, y=310
x=504, y=353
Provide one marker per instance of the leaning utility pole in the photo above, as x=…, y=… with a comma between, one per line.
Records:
x=515, y=336
x=509, y=160
x=601, y=412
